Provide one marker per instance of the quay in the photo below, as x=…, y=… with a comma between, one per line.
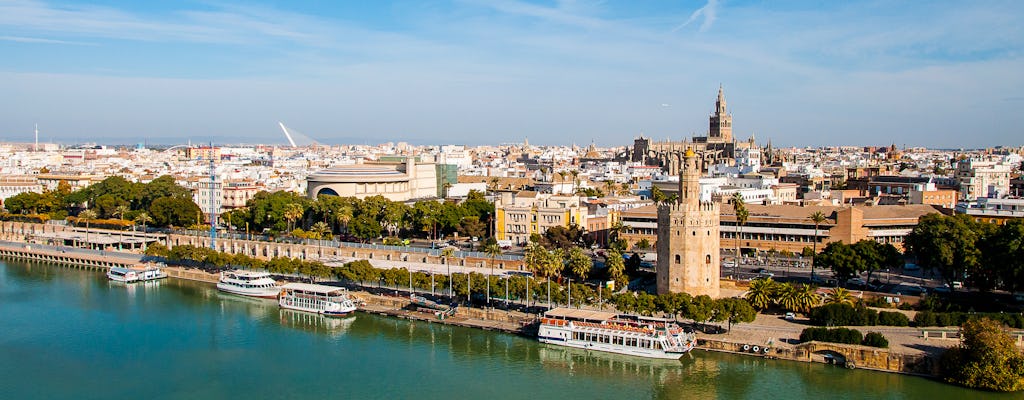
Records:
x=513, y=322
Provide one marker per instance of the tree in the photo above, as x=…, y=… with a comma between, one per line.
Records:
x=734, y=310
x=740, y=209
x=817, y=217
x=807, y=298
x=1006, y=249
x=615, y=265
x=173, y=211
x=320, y=230
x=143, y=218
x=947, y=244
x=493, y=251
x=840, y=296
x=986, y=358
x=534, y=256
x=701, y=309
x=760, y=293
x=842, y=259
x=88, y=216
x=579, y=263
x=472, y=227
x=292, y=212
x=365, y=227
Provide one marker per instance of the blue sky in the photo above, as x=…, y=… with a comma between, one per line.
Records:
x=939, y=74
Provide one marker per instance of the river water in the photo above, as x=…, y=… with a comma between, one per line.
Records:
x=71, y=334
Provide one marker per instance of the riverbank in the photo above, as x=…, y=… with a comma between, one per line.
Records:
x=766, y=332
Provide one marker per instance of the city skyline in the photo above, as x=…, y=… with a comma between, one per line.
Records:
x=475, y=72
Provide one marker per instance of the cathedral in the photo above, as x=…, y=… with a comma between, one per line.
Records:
x=688, y=241
x=718, y=146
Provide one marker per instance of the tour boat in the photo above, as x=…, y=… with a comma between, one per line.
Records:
x=139, y=273
x=320, y=299
x=613, y=333
x=248, y=283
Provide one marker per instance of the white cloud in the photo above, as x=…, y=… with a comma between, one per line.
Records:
x=709, y=11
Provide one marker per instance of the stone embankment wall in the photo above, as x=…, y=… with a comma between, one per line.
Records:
x=853, y=355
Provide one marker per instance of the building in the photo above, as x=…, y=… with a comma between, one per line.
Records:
x=787, y=227
x=982, y=179
x=938, y=197
x=996, y=211
x=11, y=186
x=395, y=181
x=202, y=153
x=521, y=214
x=718, y=146
x=688, y=238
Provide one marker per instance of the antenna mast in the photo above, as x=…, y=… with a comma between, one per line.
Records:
x=36, y=147
x=213, y=200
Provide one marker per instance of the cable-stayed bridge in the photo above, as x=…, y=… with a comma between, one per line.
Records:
x=296, y=138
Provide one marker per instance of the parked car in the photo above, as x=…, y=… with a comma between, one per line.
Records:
x=858, y=282
x=790, y=316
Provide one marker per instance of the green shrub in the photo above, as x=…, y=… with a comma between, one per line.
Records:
x=928, y=318
x=924, y=318
x=834, y=335
x=892, y=318
x=843, y=314
x=875, y=339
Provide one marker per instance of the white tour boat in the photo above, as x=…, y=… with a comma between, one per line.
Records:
x=248, y=283
x=138, y=273
x=321, y=299
x=609, y=332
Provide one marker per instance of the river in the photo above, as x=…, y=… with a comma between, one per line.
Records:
x=71, y=334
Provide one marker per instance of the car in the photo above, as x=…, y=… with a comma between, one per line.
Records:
x=790, y=316
x=856, y=282
x=760, y=270
x=941, y=289
x=911, y=267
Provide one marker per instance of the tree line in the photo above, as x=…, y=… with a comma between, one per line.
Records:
x=161, y=202
x=363, y=219
x=982, y=255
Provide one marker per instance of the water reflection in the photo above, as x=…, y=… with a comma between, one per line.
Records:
x=331, y=326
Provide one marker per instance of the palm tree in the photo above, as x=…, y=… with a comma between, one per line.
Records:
x=143, y=218
x=88, y=216
x=760, y=293
x=840, y=295
x=534, y=257
x=625, y=189
x=817, y=217
x=579, y=263
x=806, y=298
x=447, y=253
x=609, y=187
x=493, y=251
x=320, y=229
x=786, y=296
x=344, y=214
x=119, y=211
x=575, y=180
x=292, y=212
x=561, y=175
x=742, y=214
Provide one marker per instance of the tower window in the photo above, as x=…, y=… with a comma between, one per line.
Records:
x=678, y=259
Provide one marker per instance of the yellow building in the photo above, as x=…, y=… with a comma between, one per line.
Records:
x=521, y=214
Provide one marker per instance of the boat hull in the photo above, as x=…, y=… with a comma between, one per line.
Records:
x=263, y=293
x=608, y=348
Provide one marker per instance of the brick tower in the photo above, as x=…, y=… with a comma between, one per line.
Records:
x=688, y=242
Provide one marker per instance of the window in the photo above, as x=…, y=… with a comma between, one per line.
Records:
x=678, y=259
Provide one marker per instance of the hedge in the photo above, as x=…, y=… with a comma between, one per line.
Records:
x=844, y=335
x=930, y=318
x=875, y=339
x=834, y=335
x=892, y=318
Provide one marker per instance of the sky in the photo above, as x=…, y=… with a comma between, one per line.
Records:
x=946, y=74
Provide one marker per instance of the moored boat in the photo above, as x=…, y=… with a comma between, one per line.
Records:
x=320, y=299
x=610, y=332
x=138, y=273
x=248, y=283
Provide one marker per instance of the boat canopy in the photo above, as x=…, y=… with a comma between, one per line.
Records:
x=313, y=288
x=579, y=315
